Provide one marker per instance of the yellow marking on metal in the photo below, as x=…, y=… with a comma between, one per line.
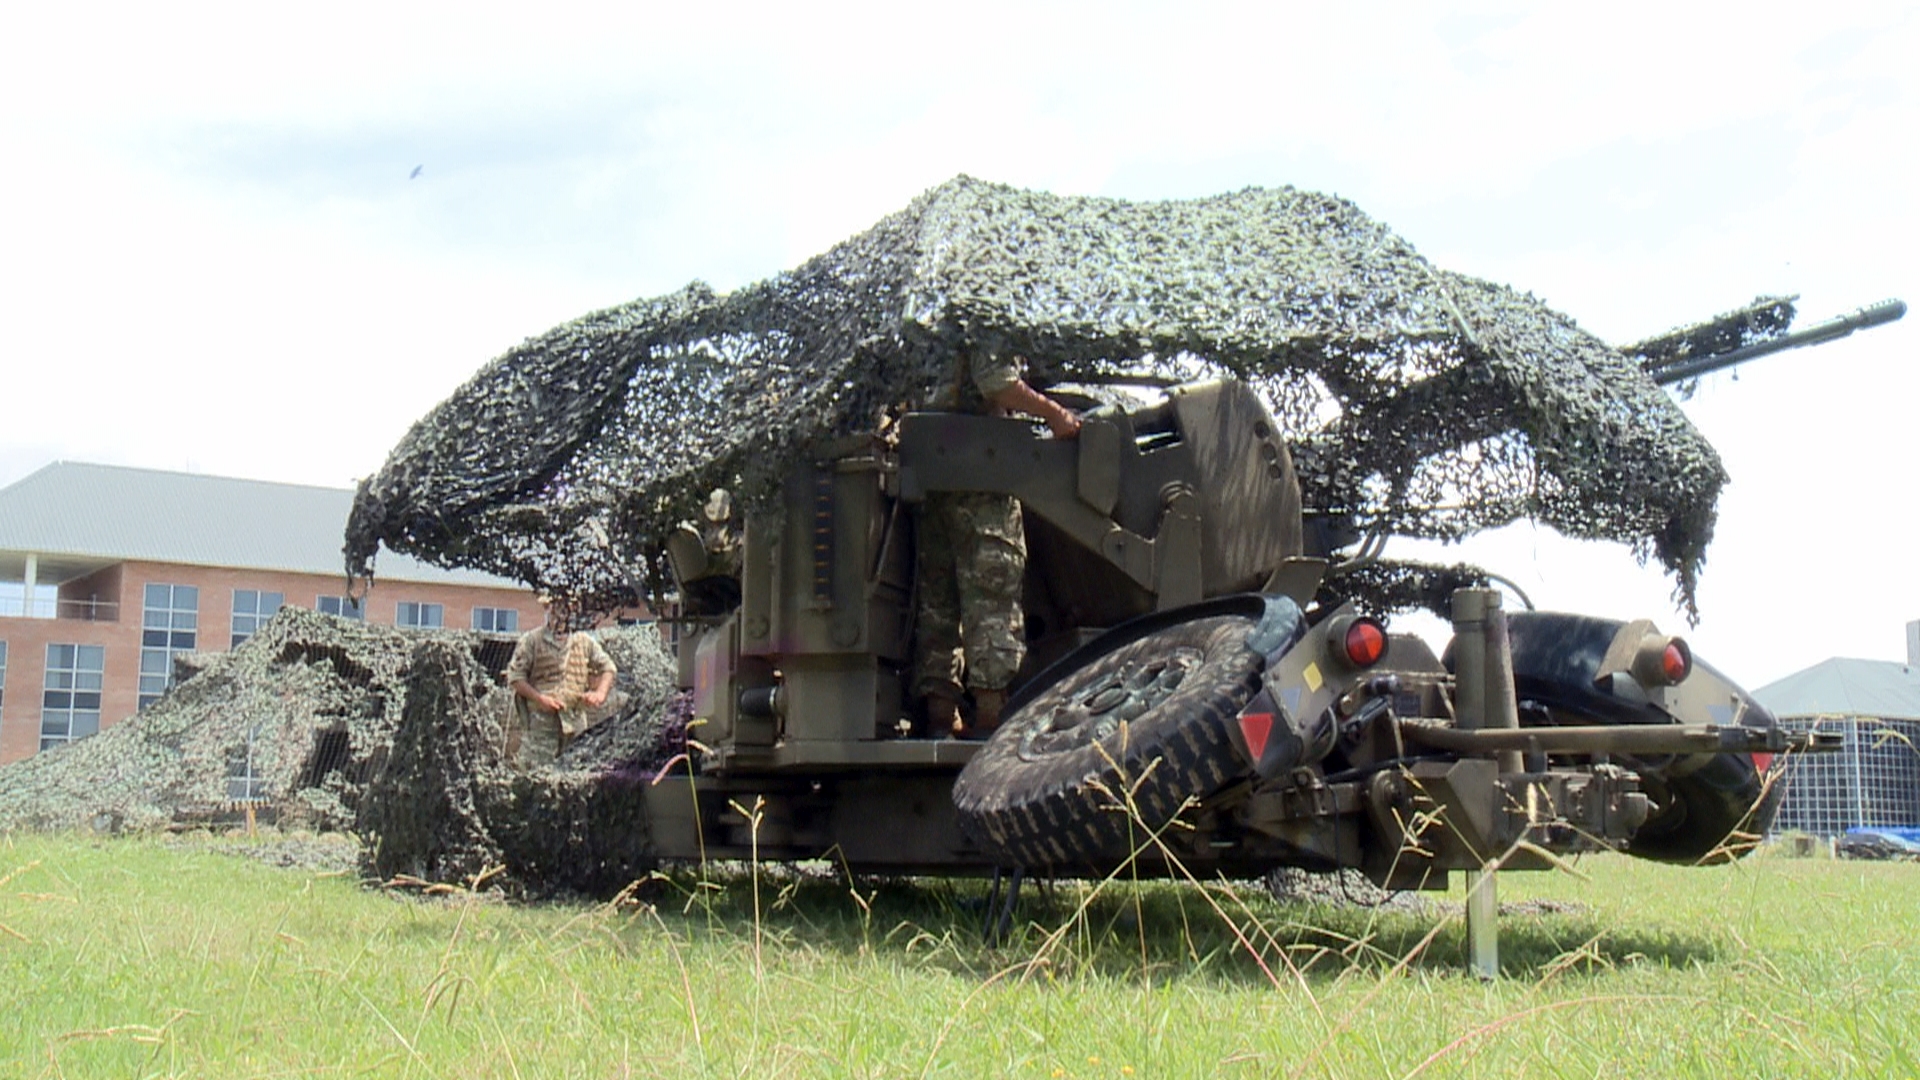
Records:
x=1312, y=675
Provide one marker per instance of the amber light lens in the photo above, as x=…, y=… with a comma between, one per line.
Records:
x=1366, y=643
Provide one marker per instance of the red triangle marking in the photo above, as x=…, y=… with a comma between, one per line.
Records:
x=1763, y=762
x=1256, y=727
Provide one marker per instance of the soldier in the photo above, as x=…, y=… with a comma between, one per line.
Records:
x=972, y=561
x=705, y=558
x=559, y=675
x=720, y=535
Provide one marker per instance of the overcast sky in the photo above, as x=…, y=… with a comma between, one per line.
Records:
x=217, y=255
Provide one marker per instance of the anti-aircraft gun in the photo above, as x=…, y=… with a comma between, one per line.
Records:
x=1680, y=356
x=1172, y=593
x=1185, y=671
x=1195, y=701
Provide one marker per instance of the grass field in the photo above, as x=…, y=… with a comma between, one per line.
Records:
x=175, y=958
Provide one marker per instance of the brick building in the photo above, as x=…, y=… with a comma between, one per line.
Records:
x=107, y=572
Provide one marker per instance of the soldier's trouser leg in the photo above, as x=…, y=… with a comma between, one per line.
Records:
x=991, y=568
x=936, y=622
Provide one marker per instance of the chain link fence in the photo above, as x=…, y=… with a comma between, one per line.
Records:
x=1873, y=781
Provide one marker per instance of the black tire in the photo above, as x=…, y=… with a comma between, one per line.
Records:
x=1706, y=807
x=1046, y=792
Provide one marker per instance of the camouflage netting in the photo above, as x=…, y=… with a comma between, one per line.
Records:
x=311, y=697
x=447, y=808
x=393, y=734
x=1402, y=586
x=1421, y=402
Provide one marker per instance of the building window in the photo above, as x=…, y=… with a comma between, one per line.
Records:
x=344, y=606
x=70, y=708
x=420, y=616
x=244, y=782
x=496, y=620
x=170, y=626
x=251, y=610
x=44, y=603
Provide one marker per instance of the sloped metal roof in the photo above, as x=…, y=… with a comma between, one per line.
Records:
x=78, y=514
x=1880, y=689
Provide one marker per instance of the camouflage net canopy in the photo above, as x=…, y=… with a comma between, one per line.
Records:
x=296, y=716
x=322, y=724
x=1419, y=402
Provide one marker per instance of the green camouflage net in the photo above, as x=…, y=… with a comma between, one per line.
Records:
x=317, y=723
x=1419, y=401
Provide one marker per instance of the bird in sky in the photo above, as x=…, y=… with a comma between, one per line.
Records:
x=416, y=172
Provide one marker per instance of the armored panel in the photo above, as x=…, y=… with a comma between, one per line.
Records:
x=1132, y=491
x=831, y=573
x=1249, y=498
x=825, y=614
x=836, y=698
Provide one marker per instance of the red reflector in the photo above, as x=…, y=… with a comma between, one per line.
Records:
x=1256, y=727
x=1366, y=643
x=1676, y=662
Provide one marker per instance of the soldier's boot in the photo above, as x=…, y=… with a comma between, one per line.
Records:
x=943, y=717
x=987, y=707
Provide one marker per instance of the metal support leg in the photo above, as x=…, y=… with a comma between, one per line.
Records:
x=1483, y=924
x=1484, y=698
x=999, y=920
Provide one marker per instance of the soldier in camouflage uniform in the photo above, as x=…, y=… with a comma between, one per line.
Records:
x=972, y=561
x=560, y=676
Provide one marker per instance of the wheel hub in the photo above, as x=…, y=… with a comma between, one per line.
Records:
x=1136, y=684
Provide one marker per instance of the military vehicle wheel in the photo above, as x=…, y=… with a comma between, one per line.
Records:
x=1085, y=766
x=1704, y=804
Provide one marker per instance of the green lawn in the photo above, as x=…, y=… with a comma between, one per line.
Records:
x=144, y=957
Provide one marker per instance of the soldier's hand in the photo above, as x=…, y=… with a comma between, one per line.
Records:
x=594, y=698
x=1064, y=423
x=549, y=703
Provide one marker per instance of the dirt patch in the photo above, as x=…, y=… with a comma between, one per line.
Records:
x=1340, y=888
x=330, y=854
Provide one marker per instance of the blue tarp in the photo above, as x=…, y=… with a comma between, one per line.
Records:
x=1908, y=838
